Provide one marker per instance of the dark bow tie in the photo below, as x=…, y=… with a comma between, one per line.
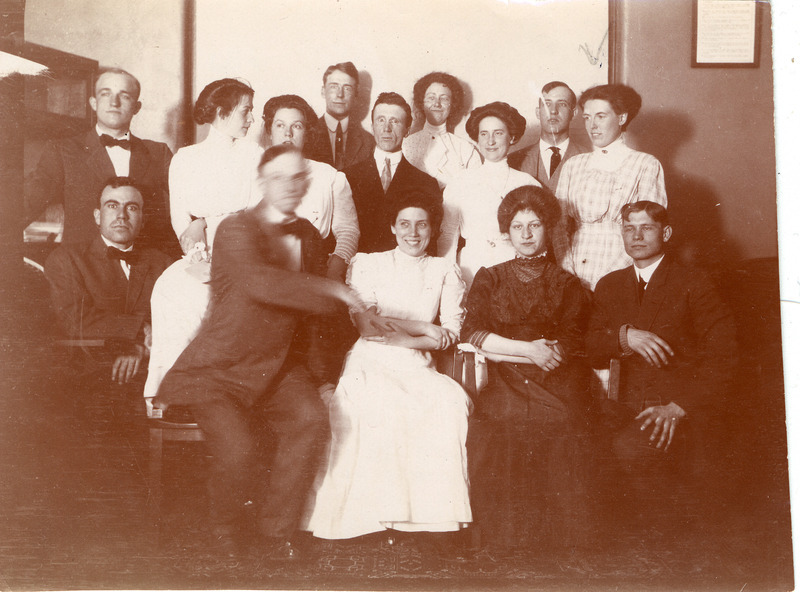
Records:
x=129, y=257
x=293, y=226
x=107, y=141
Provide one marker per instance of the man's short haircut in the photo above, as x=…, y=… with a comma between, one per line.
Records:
x=272, y=106
x=538, y=200
x=573, y=100
x=274, y=152
x=418, y=198
x=224, y=94
x=348, y=68
x=622, y=98
x=117, y=182
x=448, y=80
x=656, y=211
x=392, y=98
x=102, y=71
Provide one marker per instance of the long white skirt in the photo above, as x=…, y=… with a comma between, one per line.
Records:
x=398, y=450
x=177, y=306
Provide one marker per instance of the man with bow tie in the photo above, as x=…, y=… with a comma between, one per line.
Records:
x=254, y=373
x=100, y=288
x=72, y=171
x=676, y=342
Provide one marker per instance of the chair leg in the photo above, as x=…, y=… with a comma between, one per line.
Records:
x=154, y=488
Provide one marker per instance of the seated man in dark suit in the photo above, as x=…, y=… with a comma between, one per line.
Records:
x=252, y=377
x=545, y=159
x=339, y=141
x=677, y=344
x=72, y=171
x=101, y=288
x=377, y=181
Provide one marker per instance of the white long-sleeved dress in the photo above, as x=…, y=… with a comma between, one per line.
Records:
x=398, y=451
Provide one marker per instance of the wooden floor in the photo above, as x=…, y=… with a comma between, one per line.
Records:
x=73, y=508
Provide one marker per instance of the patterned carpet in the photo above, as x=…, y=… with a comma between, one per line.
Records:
x=73, y=513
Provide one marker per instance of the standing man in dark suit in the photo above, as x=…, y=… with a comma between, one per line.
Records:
x=251, y=376
x=544, y=160
x=101, y=288
x=71, y=172
x=676, y=342
x=339, y=141
x=378, y=180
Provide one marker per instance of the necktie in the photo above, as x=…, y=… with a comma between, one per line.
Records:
x=386, y=175
x=640, y=289
x=555, y=160
x=293, y=226
x=338, y=153
x=129, y=257
x=107, y=141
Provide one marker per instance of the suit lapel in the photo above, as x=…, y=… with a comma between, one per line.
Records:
x=110, y=268
x=97, y=158
x=653, y=297
x=353, y=144
x=139, y=272
x=140, y=159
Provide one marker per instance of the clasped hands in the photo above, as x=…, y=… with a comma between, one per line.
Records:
x=547, y=354
x=374, y=327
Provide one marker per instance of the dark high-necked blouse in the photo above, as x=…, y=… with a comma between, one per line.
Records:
x=528, y=299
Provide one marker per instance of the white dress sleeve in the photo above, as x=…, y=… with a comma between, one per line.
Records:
x=181, y=176
x=345, y=220
x=451, y=303
x=361, y=278
x=451, y=222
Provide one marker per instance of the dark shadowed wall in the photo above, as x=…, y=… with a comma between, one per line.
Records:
x=711, y=128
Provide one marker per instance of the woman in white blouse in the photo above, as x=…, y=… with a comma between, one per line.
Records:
x=439, y=97
x=328, y=203
x=207, y=182
x=472, y=198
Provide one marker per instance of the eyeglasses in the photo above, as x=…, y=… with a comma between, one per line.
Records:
x=441, y=99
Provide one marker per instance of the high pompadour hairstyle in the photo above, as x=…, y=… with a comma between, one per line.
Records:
x=223, y=94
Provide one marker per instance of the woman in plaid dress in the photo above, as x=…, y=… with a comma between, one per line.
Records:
x=594, y=186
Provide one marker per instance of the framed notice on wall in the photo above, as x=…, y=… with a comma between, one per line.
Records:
x=726, y=34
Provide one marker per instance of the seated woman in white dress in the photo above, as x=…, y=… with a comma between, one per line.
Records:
x=328, y=203
x=397, y=457
x=439, y=98
x=472, y=198
x=207, y=182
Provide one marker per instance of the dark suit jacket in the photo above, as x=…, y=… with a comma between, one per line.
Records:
x=358, y=146
x=255, y=327
x=372, y=205
x=529, y=161
x=91, y=296
x=72, y=171
x=681, y=306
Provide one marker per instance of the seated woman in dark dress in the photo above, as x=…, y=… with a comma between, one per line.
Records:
x=527, y=316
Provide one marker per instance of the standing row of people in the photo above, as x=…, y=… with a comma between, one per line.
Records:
x=247, y=327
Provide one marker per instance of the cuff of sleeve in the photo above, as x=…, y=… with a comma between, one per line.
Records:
x=477, y=338
x=623, y=341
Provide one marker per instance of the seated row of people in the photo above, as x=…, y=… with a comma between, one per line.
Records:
x=258, y=374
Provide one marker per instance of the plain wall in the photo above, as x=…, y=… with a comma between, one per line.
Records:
x=144, y=37
x=711, y=128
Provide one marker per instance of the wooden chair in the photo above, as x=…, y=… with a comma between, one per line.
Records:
x=161, y=431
